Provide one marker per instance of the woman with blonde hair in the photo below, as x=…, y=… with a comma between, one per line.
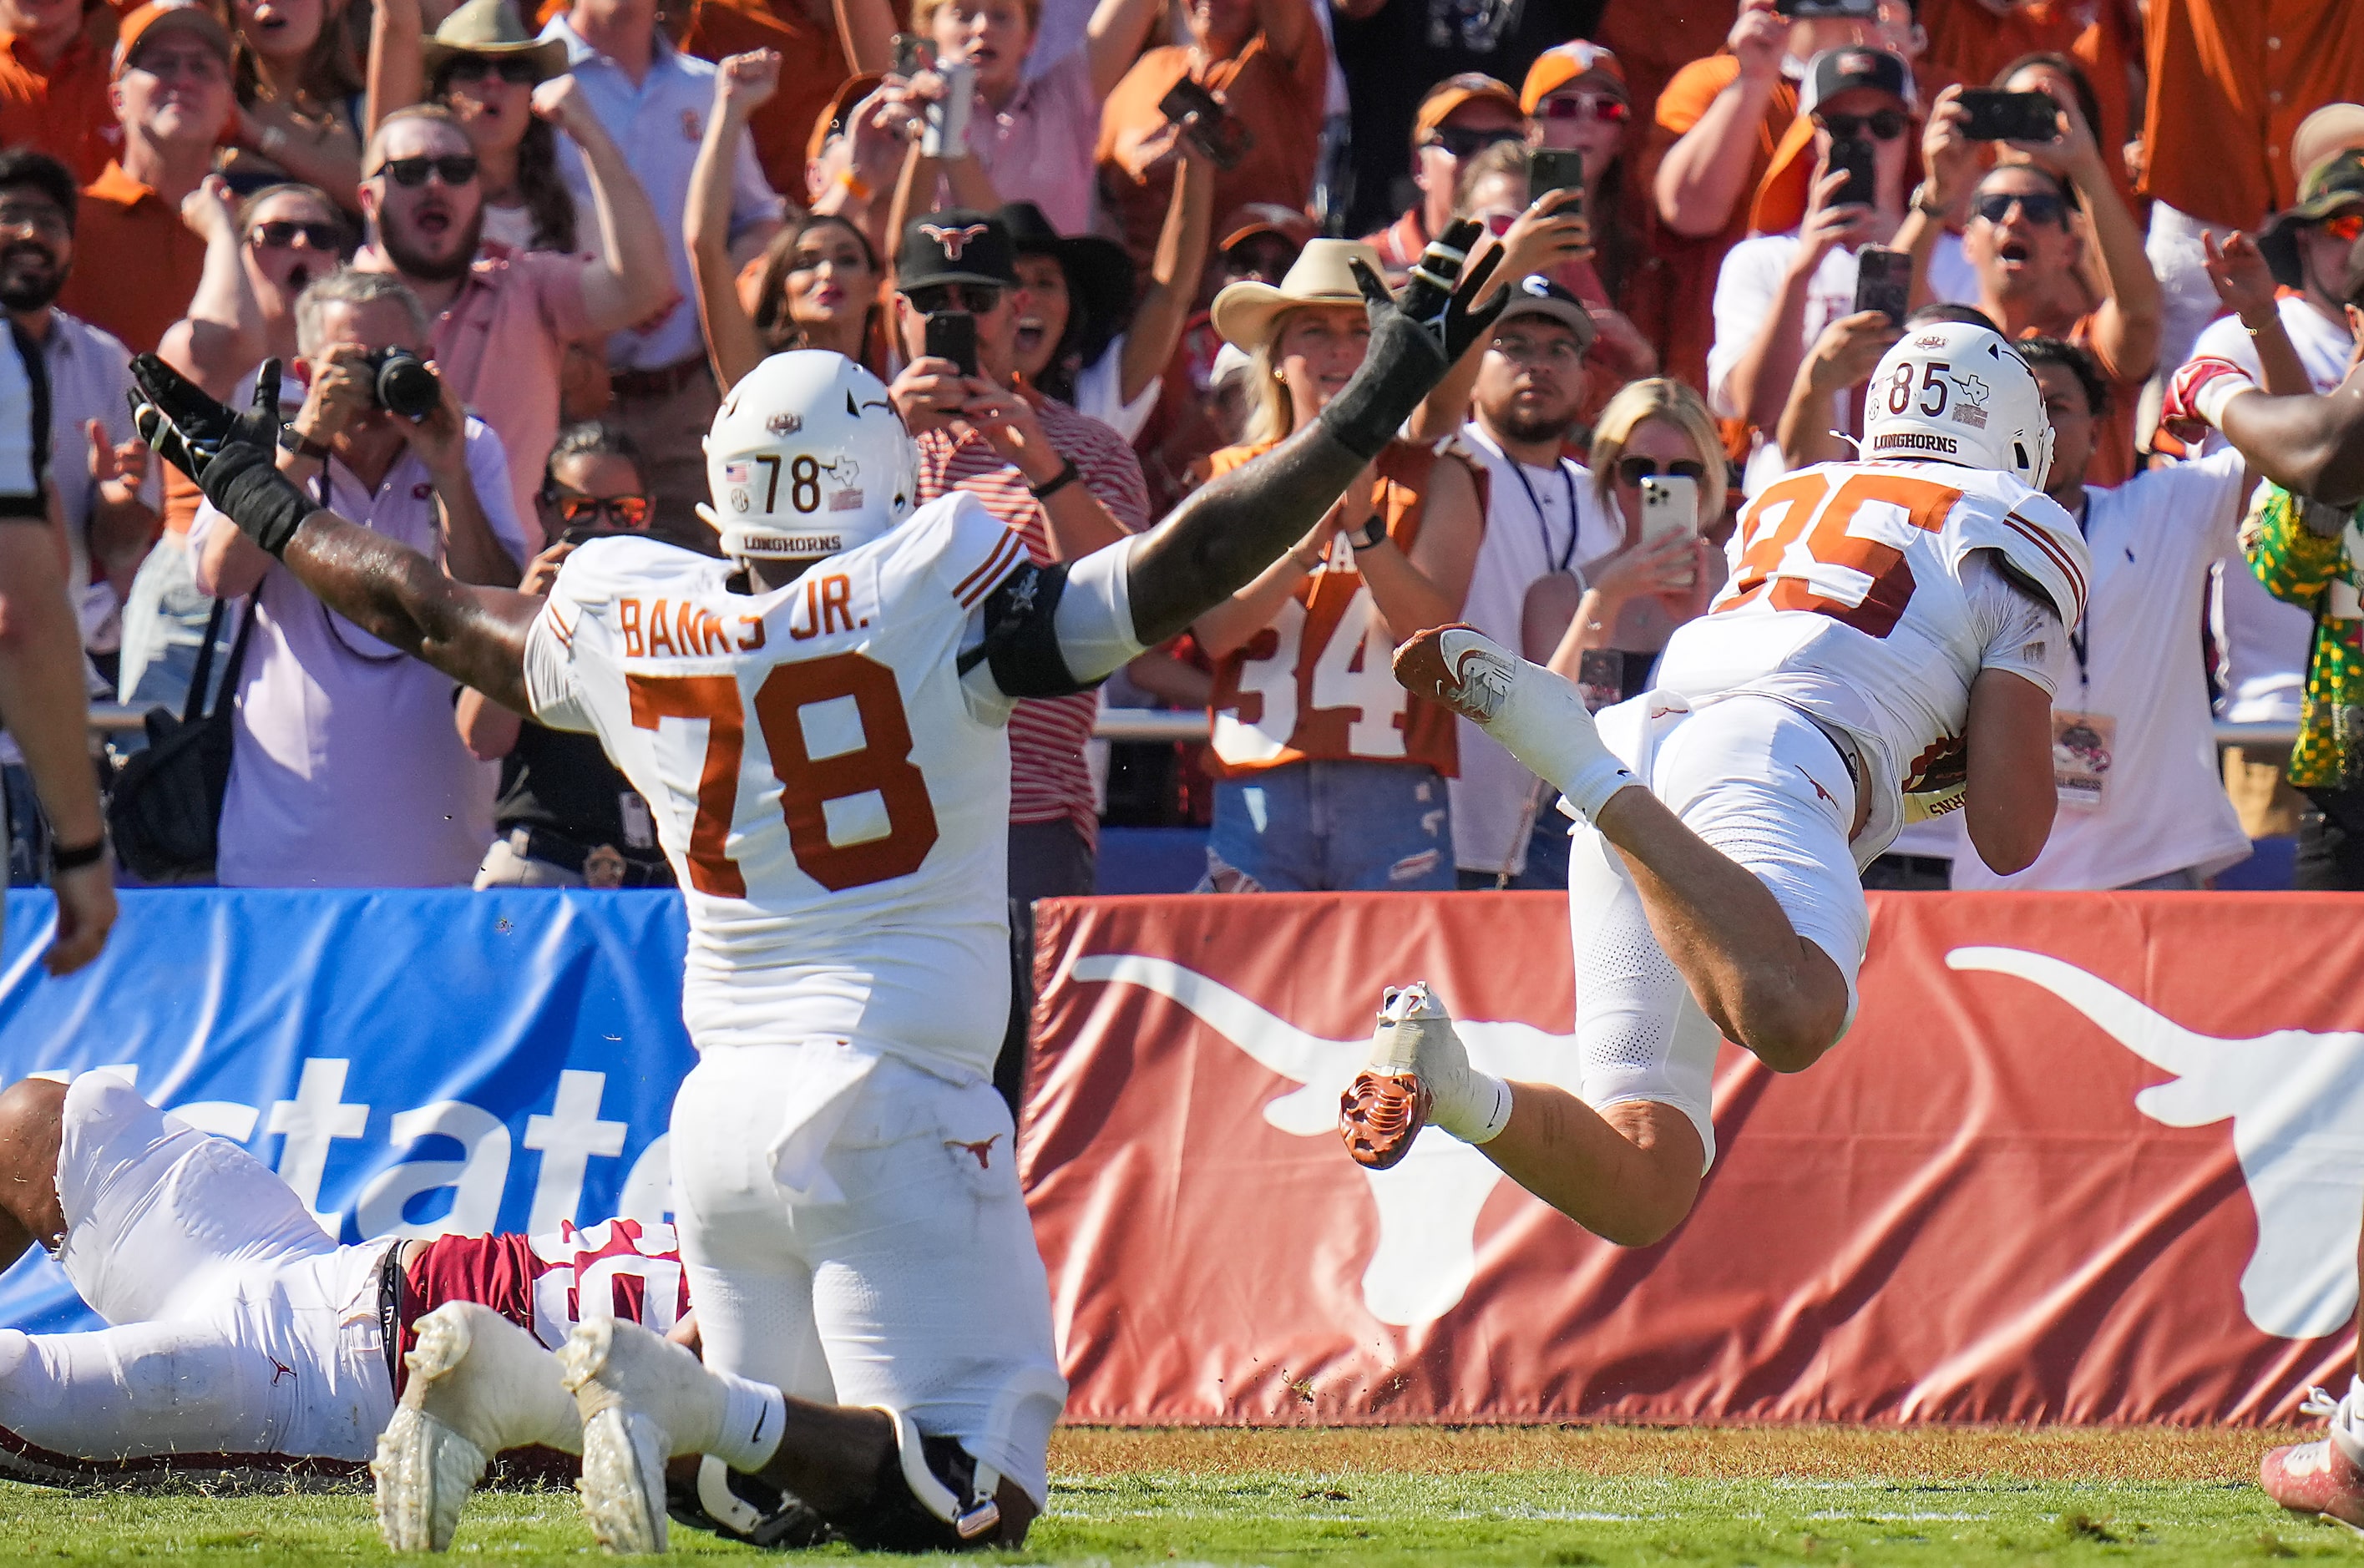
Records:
x=1630, y=603
x=1330, y=775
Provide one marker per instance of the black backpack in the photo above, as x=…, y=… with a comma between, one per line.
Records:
x=165, y=814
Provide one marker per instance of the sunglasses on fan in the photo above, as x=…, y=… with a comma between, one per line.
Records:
x=1462, y=143
x=476, y=67
x=1881, y=124
x=1587, y=106
x=455, y=169
x=2346, y=227
x=1631, y=471
x=575, y=509
x=281, y=235
x=2040, y=206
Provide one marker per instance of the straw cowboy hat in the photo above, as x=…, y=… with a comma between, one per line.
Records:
x=490, y=27
x=1244, y=312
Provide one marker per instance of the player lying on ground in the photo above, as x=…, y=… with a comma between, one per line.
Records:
x=246, y=1343
x=818, y=725
x=1883, y=651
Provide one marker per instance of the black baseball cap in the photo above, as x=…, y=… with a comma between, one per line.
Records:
x=1837, y=71
x=1537, y=295
x=959, y=245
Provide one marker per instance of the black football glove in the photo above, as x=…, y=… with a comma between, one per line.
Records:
x=1415, y=339
x=233, y=457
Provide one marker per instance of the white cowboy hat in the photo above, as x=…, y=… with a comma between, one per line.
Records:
x=1244, y=312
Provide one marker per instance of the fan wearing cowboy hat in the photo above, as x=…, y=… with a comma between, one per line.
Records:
x=1083, y=336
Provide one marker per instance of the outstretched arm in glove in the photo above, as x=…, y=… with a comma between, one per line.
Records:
x=475, y=635
x=1229, y=531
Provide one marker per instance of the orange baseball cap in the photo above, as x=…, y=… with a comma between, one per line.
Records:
x=842, y=106
x=1251, y=219
x=1563, y=63
x=1463, y=87
x=185, y=14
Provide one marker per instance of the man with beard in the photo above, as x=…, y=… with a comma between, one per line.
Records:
x=171, y=97
x=502, y=320
x=1545, y=524
x=105, y=487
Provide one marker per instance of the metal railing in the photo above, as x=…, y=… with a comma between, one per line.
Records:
x=1163, y=725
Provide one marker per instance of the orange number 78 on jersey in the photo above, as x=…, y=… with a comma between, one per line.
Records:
x=1846, y=573
x=881, y=763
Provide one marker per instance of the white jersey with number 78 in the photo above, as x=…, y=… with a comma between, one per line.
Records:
x=833, y=793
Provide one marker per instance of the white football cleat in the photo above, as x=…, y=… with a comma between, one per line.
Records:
x=1418, y=1072
x=642, y=1400
x=478, y=1384
x=1538, y=717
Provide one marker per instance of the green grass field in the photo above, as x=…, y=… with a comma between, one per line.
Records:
x=1407, y=1495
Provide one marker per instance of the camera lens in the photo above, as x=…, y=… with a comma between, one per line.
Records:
x=405, y=385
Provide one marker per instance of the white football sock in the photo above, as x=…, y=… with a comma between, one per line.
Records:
x=754, y=1415
x=1415, y=1034
x=1540, y=718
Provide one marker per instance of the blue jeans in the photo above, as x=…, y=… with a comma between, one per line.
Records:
x=1325, y=827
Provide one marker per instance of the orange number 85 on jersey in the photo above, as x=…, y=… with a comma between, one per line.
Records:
x=1838, y=553
x=882, y=763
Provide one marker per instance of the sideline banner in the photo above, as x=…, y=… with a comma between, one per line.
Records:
x=2085, y=1158
x=411, y=1062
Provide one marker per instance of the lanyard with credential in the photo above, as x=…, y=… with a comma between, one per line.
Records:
x=1543, y=522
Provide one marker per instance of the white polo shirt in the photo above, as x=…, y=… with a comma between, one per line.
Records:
x=1538, y=520
x=346, y=771
x=2266, y=641
x=2163, y=805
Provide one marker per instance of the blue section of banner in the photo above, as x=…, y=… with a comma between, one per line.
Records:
x=407, y=1061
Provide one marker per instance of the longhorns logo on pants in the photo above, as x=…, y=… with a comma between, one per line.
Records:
x=2296, y=1101
x=1428, y=1204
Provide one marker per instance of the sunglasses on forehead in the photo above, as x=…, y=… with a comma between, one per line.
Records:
x=1631, y=471
x=2040, y=206
x=281, y=235
x=476, y=67
x=453, y=168
x=975, y=298
x=1881, y=124
x=1587, y=106
x=1463, y=143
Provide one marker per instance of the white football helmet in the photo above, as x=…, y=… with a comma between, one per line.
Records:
x=808, y=458
x=1952, y=392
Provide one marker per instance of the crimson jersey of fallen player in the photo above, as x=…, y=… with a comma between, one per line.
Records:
x=620, y=1267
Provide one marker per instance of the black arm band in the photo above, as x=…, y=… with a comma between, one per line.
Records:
x=81, y=855
x=1021, y=636
x=245, y=485
x=1400, y=367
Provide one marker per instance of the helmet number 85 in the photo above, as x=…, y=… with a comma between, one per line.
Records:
x=1934, y=388
x=881, y=765
x=803, y=481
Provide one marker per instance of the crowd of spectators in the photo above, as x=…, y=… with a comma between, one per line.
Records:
x=592, y=220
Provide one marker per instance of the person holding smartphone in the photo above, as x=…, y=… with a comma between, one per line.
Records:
x=564, y=816
x=1777, y=292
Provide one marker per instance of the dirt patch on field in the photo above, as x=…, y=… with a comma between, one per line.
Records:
x=1835, y=1454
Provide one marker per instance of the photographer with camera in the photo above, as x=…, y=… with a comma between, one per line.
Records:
x=345, y=770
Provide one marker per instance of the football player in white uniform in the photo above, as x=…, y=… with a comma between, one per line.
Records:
x=1883, y=651
x=816, y=723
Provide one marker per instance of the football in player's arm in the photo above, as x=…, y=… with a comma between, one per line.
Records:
x=1883, y=651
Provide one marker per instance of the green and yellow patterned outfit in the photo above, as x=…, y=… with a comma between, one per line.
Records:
x=2319, y=574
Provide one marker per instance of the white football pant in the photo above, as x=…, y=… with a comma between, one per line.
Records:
x=240, y=1329
x=1763, y=783
x=853, y=1234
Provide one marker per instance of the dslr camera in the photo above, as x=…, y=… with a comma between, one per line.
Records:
x=403, y=384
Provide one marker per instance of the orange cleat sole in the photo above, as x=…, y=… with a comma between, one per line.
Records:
x=1379, y=1115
